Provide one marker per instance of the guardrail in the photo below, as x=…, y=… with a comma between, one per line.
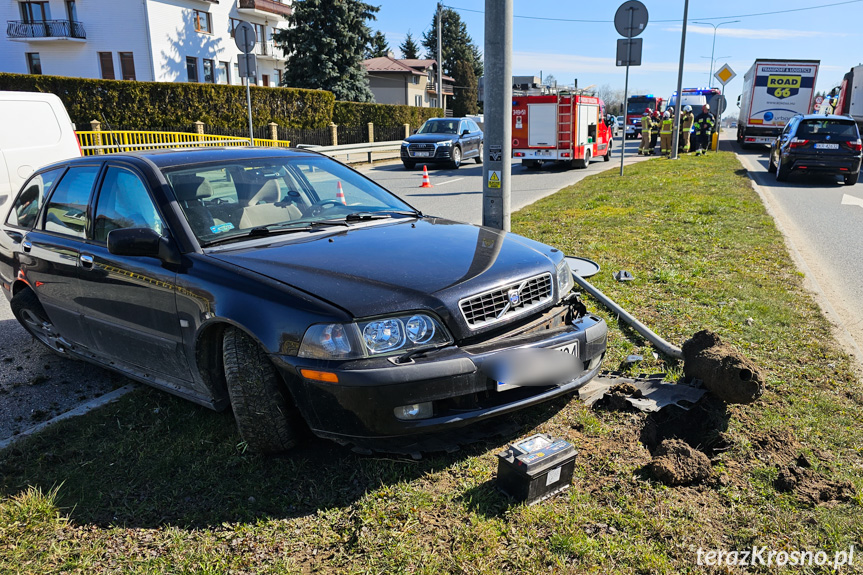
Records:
x=116, y=141
x=368, y=149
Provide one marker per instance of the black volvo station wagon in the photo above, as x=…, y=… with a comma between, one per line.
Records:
x=293, y=289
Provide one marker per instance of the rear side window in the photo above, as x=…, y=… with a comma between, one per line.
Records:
x=836, y=129
x=66, y=212
x=32, y=197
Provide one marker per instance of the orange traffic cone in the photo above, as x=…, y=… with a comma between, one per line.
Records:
x=426, y=182
x=340, y=195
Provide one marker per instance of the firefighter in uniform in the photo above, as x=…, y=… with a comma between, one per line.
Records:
x=654, y=131
x=646, y=126
x=666, y=133
x=686, y=122
x=705, y=125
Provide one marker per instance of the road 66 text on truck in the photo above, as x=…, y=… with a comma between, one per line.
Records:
x=774, y=91
x=568, y=128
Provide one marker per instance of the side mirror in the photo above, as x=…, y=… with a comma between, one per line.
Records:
x=415, y=131
x=142, y=242
x=465, y=132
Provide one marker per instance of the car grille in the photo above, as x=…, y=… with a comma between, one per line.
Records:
x=497, y=305
x=422, y=147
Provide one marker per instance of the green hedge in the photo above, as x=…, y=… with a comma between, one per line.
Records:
x=160, y=105
x=386, y=115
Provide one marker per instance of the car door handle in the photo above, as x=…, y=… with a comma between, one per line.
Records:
x=86, y=261
x=26, y=245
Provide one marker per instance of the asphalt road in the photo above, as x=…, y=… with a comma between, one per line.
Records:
x=457, y=194
x=823, y=219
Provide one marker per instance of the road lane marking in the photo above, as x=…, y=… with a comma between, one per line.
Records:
x=448, y=182
x=851, y=201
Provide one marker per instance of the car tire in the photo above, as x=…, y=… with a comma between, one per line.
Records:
x=31, y=315
x=409, y=165
x=851, y=179
x=265, y=417
x=479, y=158
x=771, y=167
x=582, y=164
x=607, y=155
x=456, y=158
x=782, y=171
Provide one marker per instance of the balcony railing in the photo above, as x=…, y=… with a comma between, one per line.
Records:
x=431, y=87
x=45, y=29
x=269, y=49
x=271, y=6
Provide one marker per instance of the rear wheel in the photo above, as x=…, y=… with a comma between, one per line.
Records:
x=479, y=158
x=30, y=314
x=851, y=179
x=782, y=171
x=771, y=167
x=266, y=419
x=581, y=164
x=456, y=157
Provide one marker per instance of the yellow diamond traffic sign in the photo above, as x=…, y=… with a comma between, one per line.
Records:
x=724, y=74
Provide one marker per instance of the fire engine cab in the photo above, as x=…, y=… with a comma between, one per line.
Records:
x=565, y=127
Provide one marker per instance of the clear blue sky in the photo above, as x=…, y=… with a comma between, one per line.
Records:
x=831, y=32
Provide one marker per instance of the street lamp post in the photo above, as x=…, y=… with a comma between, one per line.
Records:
x=712, y=50
x=712, y=63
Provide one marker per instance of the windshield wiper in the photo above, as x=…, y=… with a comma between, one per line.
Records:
x=260, y=231
x=381, y=214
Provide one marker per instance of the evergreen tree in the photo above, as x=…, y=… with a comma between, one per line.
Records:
x=466, y=91
x=456, y=43
x=378, y=47
x=409, y=48
x=325, y=42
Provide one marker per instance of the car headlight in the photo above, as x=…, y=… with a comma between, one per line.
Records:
x=445, y=143
x=564, y=278
x=405, y=143
x=373, y=338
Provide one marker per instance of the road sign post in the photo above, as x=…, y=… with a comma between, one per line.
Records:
x=725, y=74
x=246, y=38
x=630, y=20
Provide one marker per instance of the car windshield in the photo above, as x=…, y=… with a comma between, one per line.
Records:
x=837, y=129
x=638, y=106
x=439, y=127
x=236, y=199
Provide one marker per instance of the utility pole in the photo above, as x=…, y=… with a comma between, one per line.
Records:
x=440, y=58
x=675, y=138
x=497, y=163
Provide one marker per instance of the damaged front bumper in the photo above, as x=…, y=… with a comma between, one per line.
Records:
x=450, y=387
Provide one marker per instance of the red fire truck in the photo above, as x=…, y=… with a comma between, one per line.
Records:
x=564, y=127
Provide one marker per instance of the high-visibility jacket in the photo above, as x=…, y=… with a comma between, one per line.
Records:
x=705, y=124
x=646, y=124
x=667, y=126
x=687, y=121
x=656, y=120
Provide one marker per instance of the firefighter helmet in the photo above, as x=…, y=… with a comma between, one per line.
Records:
x=705, y=108
x=647, y=112
x=687, y=109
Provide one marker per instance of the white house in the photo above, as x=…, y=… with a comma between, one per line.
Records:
x=148, y=40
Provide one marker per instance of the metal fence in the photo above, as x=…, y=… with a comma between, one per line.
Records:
x=353, y=135
x=107, y=142
x=312, y=137
x=389, y=133
x=261, y=132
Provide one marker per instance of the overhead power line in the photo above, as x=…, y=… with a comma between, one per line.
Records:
x=678, y=19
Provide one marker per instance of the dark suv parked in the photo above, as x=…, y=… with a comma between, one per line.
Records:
x=814, y=143
x=443, y=140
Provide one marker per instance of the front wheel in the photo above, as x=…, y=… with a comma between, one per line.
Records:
x=456, y=157
x=782, y=170
x=479, y=158
x=30, y=314
x=771, y=167
x=265, y=418
x=409, y=165
x=851, y=179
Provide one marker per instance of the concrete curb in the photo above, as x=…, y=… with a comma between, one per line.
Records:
x=80, y=410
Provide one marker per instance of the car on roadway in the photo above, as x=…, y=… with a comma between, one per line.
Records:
x=295, y=290
x=815, y=143
x=621, y=124
x=447, y=141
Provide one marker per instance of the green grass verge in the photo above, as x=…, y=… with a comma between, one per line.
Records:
x=154, y=484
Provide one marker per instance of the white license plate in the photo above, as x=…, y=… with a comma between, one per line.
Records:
x=571, y=348
x=827, y=146
x=422, y=154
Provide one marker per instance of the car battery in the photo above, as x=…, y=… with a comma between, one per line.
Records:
x=535, y=468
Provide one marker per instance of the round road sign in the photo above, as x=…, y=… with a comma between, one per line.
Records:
x=630, y=20
x=244, y=36
x=717, y=104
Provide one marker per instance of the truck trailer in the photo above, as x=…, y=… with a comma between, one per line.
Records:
x=774, y=91
x=566, y=127
x=850, y=101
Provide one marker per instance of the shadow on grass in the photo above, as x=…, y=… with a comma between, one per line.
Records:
x=152, y=459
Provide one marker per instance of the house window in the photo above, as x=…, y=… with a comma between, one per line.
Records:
x=234, y=24
x=224, y=73
x=418, y=101
x=192, y=68
x=237, y=73
x=35, y=12
x=278, y=77
x=127, y=65
x=106, y=65
x=415, y=79
x=71, y=11
x=203, y=22
x=209, y=72
x=34, y=63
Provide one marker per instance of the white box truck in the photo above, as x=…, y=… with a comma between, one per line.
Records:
x=850, y=101
x=774, y=91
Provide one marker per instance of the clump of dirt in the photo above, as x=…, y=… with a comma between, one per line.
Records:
x=726, y=373
x=810, y=486
x=615, y=398
x=704, y=426
x=676, y=463
x=776, y=445
x=625, y=389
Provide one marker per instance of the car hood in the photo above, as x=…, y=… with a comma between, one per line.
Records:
x=431, y=138
x=396, y=266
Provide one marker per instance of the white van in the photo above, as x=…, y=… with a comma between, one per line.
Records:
x=35, y=130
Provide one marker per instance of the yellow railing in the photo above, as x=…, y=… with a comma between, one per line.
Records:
x=111, y=142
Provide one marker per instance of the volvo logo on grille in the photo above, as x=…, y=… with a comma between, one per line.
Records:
x=513, y=297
